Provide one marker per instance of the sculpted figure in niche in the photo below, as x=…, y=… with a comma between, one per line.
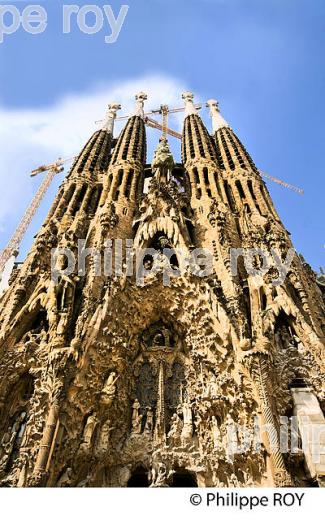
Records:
x=104, y=437
x=149, y=421
x=161, y=338
x=37, y=336
x=61, y=297
x=175, y=431
x=12, y=439
x=212, y=389
x=284, y=339
x=232, y=436
x=89, y=430
x=136, y=417
x=109, y=389
x=163, y=162
x=158, y=335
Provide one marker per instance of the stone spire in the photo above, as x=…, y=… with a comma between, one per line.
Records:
x=110, y=117
x=217, y=120
x=243, y=185
x=196, y=140
x=140, y=98
x=189, y=105
x=128, y=159
x=131, y=144
x=231, y=152
x=95, y=154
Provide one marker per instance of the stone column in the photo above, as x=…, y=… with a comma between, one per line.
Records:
x=160, y=433
x=49, y=432
x=46, y=443
x=258, y=364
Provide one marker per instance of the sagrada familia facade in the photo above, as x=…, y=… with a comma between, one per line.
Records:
x=107, y=382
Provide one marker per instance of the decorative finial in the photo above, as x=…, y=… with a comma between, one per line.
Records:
x=110, y=117
x=217, y=120
x=141, y=97
x=189, y=105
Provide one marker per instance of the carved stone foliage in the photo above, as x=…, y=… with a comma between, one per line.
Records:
x=109, y=219
x=217, y=217
x=163, y=209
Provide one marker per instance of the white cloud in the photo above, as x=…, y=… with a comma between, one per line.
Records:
x=30, y=137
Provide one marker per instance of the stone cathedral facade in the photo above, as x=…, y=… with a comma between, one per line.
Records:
x=107, y=382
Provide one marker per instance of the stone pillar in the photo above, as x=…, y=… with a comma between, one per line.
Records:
x=160, y=433
x=48, y=438
x=259, y=369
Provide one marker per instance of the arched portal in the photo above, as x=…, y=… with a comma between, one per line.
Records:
x=139, y=478
x=183, y=478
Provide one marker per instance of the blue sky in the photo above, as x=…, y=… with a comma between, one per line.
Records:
x=262, y=59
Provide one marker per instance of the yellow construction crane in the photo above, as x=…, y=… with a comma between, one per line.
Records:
x=282, y=183
x=12, y=248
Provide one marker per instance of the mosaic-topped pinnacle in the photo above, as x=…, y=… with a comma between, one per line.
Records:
x=140, y=98
x=110, y=117
x=189, y=105
x=217, y=120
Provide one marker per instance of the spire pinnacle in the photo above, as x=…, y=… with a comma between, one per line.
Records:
x=140, y=98
x=110, y=117
x=189, y=105
x=217, y=120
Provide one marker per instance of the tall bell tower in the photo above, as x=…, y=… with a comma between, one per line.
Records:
x=127, y=360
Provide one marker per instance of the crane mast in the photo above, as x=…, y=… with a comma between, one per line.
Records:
x=12, y=248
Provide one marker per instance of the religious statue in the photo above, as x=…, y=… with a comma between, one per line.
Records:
x=109, y=389
x=88, y=432
x=60, y=298
x=284, y=338
x=163, y=162
x=232, y=436
x=161, y=338
x=13, y=437
x=149, y=421
x=104, y=437
x=174, y=434
x=136, y=417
